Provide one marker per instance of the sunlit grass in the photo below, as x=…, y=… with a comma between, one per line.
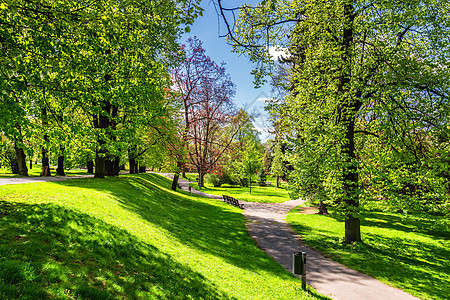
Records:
x=36, y=171
x=405, y=251
x=263, y=194
x=130, y=238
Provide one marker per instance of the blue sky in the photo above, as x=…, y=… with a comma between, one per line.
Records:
x=206, y=28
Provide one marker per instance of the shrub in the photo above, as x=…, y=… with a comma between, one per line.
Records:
x=213, y=179
x=227, y=178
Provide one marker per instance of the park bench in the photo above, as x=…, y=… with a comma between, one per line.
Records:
x=232, y=201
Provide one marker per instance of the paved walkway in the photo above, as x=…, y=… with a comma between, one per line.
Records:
x=273, y=235
x=20, y=180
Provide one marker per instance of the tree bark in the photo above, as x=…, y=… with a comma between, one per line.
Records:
x=109, y=167
x=347, y=112
x=132, y=165
x=201, y=177
x=323, y=208
x=21, y=162
x=90, y=166
x=60, y=169
x=99, y=165
x=352, y=229
x=278, y=181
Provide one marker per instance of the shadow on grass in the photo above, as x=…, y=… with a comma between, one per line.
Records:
x=217, y=229
x=417, y=263
x=49, y=252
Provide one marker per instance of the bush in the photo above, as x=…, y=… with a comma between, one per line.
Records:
x=213, y=179
x=226, y=178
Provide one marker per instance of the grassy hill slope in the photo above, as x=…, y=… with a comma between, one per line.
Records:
x=130, y=238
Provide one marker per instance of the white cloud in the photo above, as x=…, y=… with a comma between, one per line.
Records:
x=264, y=99
x=277, y=51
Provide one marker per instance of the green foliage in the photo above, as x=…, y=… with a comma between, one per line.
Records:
x=262, y=176
x=277, y=168
x=90, y=76
x=213, y=179
x=366, y=97
x=407, y=251
x=251, y=162
x=130, y=237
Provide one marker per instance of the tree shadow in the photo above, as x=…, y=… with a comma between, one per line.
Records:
x=51, y=252
x=414, y=263
x=214, y=228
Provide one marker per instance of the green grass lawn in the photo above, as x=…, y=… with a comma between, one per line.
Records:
x=36, y=171
x=409, y=252
x=130, y=238
x=263, y=194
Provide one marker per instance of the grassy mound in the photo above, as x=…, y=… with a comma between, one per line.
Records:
x=406, y=251
x=130, y=238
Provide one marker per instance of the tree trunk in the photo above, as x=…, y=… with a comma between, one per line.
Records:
x=323, y=208
x=60, y=169
x=278, y=181
x=250, y=185
x=90, y=166
x=352, y=229
x=132, y=165
x=175, y=182
x=21, y=162
x=200, y=179
x=99, y=165
x=116, y=165
x=109, y=167
x=142, y=169
x=347, y=112
x=31, y=164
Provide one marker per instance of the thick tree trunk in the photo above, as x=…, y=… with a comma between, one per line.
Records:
x=21, y=161
x=132, y=165
x=60, y=169
x=109, y=167
x=347, y=112
x=201, y=177
x=31, y=164
x=99, y=165
x=323, y=208
x=352, y=229
x=90, y=166
x=132, y=159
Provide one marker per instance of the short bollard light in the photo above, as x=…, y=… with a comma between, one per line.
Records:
x=299, y=266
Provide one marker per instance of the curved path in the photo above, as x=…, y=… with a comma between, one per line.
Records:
x=273, y=235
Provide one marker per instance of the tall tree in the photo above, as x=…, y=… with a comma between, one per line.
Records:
x=206, y=93
x=358, y=68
